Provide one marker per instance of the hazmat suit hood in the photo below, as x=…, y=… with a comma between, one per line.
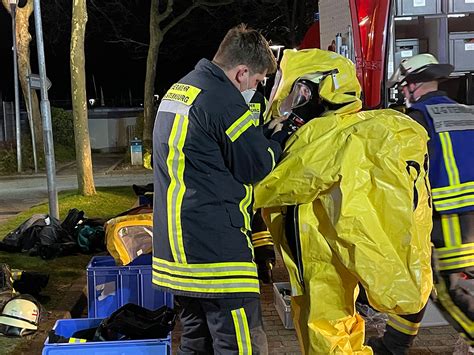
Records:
x=338, y=87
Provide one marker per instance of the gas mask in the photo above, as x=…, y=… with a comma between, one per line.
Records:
x=303, y=103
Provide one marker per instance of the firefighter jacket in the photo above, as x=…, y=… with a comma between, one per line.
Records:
x=451, y=128
x=207, y=153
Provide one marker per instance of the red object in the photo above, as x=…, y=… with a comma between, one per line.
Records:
x=369, y=23
x=312, y=37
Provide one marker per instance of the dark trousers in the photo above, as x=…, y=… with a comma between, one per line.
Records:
x=221, y=326
x=401, y=331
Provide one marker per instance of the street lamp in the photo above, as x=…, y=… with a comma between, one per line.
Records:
x=13, y=5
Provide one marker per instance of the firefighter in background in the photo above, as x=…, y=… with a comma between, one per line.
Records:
x=348, y=203
x=450, y=127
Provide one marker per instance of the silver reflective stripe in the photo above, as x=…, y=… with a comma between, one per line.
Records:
x=239, y=129
x=411, y=330
x=461, y=202
x=450, y=251
x=448, y=156
x=456, y=263
x=205, y=269
x=174, y=107
x=178, y=186
x=187, y=283
x=451, y=117
x=458, y=190
x=448, y=221
x=242, y=332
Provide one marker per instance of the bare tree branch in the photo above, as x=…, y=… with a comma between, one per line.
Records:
x=169, y=9
x=196, y=4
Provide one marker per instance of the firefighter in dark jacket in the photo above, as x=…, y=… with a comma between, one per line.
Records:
x=450, y=127
x=207, y=154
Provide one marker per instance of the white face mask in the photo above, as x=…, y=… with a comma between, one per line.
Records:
x=248, y=94
x=407, y=103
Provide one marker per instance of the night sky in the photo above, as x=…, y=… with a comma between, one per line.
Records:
x=117, y=66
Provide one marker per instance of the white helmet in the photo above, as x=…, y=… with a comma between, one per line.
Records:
x=418, y=69
x=20, y=316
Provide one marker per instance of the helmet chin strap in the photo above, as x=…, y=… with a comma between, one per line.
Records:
x=412, y=98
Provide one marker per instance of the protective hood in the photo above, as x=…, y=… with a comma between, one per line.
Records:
x=339, y=86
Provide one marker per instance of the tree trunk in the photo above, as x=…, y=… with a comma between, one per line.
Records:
x=23, y=39
x=156, y=37
x=85, y=177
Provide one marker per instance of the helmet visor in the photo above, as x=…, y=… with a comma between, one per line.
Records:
x=299, y=96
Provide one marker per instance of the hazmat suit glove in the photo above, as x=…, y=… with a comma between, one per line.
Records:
x=281, y=130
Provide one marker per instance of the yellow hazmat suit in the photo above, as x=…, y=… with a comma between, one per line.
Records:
x=363, y=211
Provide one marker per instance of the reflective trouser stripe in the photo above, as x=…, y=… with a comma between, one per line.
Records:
x=242, y=331
x=177, y=188
x=403, y=325
x=77, y=340
x=449, y=160
x=451, y=230
x=453, y=310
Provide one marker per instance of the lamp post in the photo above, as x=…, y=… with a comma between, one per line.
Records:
x=13, y=5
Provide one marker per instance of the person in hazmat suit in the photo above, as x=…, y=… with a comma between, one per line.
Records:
x=347, y=204
x=450, y=127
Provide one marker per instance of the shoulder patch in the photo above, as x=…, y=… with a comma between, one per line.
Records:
x=183, y=93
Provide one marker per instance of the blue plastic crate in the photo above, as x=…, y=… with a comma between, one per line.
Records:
x=110, y=286
x=67, y=327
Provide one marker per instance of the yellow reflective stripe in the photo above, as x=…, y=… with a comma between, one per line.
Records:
x=456, y=263
x=211, y=266
x=453, y=191
x=260, y=235
x=76, y=340
x=454, y=203
x=244, y=205
x=451, y=230
x=406, y=322
x=16, y=274
x=262, y=243
x=183, y=93
x=255, y=109
x=402, y=325
x=273, y=157
x=231, y=285
x=449, y=160
x=206, y=270
x=242, y=331
x=453, y=310
x=177, y=188
x=447, y=252
x=240, y=126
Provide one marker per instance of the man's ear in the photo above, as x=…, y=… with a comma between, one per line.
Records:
x=240, y=72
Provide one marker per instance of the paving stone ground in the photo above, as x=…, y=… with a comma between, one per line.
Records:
x=431, y=340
